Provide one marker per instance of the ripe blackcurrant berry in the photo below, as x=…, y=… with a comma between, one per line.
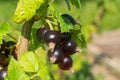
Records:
x=52, y=38
x=66, y=63
x=3, y=60
x=9, y=47
x=56, y=55
x=10, y=43
x=2, y=47
x=70, y=47
x=69, y=17
x=41, y=33
x=65, y=36
x=3, y=73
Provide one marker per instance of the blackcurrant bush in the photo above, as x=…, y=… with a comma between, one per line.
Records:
x=41, y=33
x=56, y=55
x=65, y=36
x=52, y=38
x=69, y=17
x=70, y=47
x=66, y=63
x=3, y=73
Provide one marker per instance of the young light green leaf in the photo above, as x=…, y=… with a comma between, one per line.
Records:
x=65, y=26
x=4, y=29
x=26, y=9
x=44, y=71
x=41, y=54
x=15, y=72
x=29, y=62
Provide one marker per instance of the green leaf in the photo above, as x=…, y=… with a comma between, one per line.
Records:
x=26, y=9
x=29, y=62
x=15, y=72
x=41, y=54
x=4, y=29
x=34, y=41
x=65, y=26
x=44, y=71
x=79, y=38
x=68, y=4
x=0, y=39
x=76, y=3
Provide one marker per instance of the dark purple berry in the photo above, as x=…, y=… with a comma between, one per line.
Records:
x=56, y=55
x=10, y=46
x=66, y=63
x=2, y=47
x=70, y=18
x=10, y=43
x=3, y=60
x=52, y=38
x=70, y=47
x=3, y=73
x=41, y=33
x=65, y=36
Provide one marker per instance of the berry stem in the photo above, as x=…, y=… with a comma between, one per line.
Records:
x=51, y=28
x=52, y=59
x=78, y=50
x=22, y=45
x=51, y=46
x=71, y=70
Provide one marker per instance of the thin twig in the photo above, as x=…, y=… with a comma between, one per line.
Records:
x=23, y=43
x=51, y=28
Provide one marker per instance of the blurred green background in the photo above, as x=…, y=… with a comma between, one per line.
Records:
x=95, y=16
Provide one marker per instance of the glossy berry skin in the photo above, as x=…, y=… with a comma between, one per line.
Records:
x=66, y=63
x=3, y=73
x=70, y=18
x=69, y=47
x=65, y=36
x=10, y=43
x=41, y=33
x=57, y=53
x=52, y=36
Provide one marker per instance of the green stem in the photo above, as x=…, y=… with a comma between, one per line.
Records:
x=23, y=42
x=51, y=28
x=32, y=77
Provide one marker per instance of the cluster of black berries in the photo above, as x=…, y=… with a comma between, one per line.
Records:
x=5, y=50
x=61, y=46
